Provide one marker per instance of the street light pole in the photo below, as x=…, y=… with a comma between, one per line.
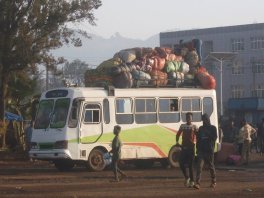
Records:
x=221, y=87
x=221, y=57
x=221, y=83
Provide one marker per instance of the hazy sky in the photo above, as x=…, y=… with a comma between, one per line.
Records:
x=144, y=18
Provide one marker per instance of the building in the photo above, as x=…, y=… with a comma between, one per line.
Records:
x=243, y=76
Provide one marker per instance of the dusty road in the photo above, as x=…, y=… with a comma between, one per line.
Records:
x=38, y=179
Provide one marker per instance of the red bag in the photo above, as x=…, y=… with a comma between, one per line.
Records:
x=206, y=80
x=233, y=160
x=158, y=63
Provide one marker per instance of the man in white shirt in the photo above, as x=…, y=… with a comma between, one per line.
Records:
x=245, y=133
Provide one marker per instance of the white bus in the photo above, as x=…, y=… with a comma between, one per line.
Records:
x=75, y=125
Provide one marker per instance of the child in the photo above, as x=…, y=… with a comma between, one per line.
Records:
x=116, y=151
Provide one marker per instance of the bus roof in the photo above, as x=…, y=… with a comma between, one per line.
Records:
x=136, y=92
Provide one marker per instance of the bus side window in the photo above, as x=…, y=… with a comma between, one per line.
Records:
x=124, y=113
x=191, y=105
x=145, y=110
x=169, y=110
x=208, y=106
x=92, y=114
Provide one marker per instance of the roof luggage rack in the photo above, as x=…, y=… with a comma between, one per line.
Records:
x=172, y=83
x=152, y=83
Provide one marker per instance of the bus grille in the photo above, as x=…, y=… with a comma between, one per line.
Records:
x=46, y=146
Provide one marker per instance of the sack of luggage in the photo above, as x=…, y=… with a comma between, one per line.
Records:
x=107, y=158
x=233, y=160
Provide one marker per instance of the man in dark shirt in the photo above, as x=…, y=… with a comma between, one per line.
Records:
x=116, y=151
x=230, y=132
x=206, y=137
x=188, y=132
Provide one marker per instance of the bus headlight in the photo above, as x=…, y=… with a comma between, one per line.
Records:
x=61, y=144
x=34, y=145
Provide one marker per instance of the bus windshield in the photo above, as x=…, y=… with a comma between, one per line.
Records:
x=52, y=115
x=43, y=116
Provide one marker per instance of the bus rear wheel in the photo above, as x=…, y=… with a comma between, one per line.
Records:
x=174, y=155
x=64, y=165
x=95, y=160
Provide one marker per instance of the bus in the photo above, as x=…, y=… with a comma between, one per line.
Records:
x=75, y=125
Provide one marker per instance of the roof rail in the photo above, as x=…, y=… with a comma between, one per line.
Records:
x=152, y=83
x=171, y=83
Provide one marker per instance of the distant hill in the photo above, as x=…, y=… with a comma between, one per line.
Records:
x=97, y=49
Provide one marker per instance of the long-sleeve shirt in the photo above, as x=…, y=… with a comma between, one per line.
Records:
x=188, y=133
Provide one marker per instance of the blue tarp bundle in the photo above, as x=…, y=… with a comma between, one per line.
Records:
x=11, y=117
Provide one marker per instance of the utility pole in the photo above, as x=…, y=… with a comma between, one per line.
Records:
x=221, y=57
x=47, y=78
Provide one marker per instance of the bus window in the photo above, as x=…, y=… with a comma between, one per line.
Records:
x=191, y=105
x=92, y=114
x=44, y=114
x=208, y=106
x=106, y=111
x=169, y=110
x=60, y=113
x=124, y=114
x=73, y=119
x=145, y=110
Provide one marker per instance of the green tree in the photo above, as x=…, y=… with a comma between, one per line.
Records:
x=29, y=29
x=74, y=72
x=21, y=88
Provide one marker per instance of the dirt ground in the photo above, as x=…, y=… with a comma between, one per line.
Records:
x=22, y=178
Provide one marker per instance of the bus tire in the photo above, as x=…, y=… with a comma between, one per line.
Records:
x=64, y=165
x=95, y=160
x=174, y=155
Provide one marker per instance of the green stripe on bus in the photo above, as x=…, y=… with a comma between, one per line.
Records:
x=160, y=136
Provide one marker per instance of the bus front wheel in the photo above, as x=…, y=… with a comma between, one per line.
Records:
x=174, y=155
x=96, y=161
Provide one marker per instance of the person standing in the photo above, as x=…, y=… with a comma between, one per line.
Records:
x=245, y=133
x=116, y=153
x=260, y=137
x=188, y=132
x=206, y=137
x=240, y=142
x=230, y=132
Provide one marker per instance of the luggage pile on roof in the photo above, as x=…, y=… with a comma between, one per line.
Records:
x=157, y=66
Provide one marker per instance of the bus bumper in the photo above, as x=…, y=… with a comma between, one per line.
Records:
x=50, y=154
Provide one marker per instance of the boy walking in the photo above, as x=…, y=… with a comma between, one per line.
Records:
x=188, y=132
x=116, y=151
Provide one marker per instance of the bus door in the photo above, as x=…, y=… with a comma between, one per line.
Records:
x=91, y=124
